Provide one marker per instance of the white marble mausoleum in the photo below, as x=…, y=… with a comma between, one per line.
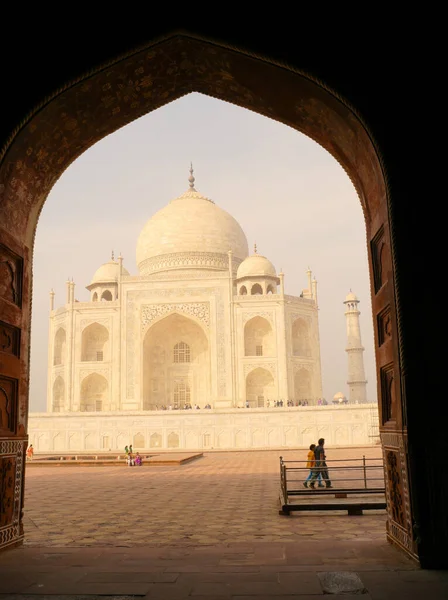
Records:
x=204, y=324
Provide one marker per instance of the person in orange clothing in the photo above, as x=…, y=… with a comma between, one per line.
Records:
x=311, y=460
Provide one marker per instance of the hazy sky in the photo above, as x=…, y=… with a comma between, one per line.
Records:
x=288, y=194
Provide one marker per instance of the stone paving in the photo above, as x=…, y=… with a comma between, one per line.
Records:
x=220, y=498
x=209, y=529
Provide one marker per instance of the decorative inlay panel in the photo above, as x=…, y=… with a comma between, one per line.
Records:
x=9, y=339
x=294, y=316
x=8, y=405
x=86, y=322
x=271, y=367
x=200, y=310
x=298, y=366
x=377, y=248
x=265, y=315
x=384, y=325
x=11, y=473
x=11, y=269
x=186, y=260
x=388, y=400
x=86, y=372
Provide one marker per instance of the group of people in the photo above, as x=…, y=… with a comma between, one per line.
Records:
x=316, y=463
x=186, y=406
x=131, y=460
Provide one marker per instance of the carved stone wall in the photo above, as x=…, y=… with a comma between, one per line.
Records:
x=269, y=428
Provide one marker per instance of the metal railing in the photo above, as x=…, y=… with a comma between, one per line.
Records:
x=350, y=476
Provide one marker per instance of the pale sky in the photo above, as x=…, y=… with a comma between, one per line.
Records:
x=289, y=195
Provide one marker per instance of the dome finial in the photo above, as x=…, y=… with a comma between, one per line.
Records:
x=255, y=248
x=112, y=255
x=191, y=178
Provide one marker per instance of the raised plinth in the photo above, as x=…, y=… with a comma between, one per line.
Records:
x=108, y=460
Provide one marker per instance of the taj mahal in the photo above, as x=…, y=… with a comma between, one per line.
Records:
x=201, y=349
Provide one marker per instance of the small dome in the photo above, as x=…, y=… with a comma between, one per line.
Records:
x=108, y=273
x=339, y=396
x=351, y=297
x=256, y=266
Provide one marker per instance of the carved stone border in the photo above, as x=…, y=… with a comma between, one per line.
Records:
x=11, y=534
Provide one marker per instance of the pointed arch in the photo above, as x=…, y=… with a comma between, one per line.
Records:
x=58, y=394
x=106, y=296
x=300, y=334
x=259, y=338
x=303, y=389
x=94, y=393
x=256, y=290
x=95, y=343
x=60, y=346
x=175, y=363
x=243, y=290
x=259, y=387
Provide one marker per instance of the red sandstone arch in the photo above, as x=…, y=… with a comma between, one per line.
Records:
x=88, y=110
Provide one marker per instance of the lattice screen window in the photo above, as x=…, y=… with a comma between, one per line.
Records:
x=100, y=356
x=258, y=350
x=182, y=353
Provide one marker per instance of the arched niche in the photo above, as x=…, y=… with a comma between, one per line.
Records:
x=176, y=363
x=60, y=346
x=58, y=394
x=95, y=297
x=259, y=338
x=243, y=290
x=303, y=389
x=260, y=387
x=95, y=343
x=106, y=296
x=300, y=335
x=94, y=393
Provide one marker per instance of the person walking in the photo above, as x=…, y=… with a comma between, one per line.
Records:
x=126, y=449
x=320, y=465
x=30, y=452
x=311, y=461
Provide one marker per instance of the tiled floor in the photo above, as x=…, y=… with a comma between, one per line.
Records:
x=209, y=529
x=220, y=498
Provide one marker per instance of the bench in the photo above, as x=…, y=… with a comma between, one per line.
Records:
x=340, y=490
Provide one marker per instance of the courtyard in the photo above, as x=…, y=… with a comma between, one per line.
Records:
x=209, y=528
x=223, y=497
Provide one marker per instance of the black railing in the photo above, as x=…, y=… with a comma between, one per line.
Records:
x=347, y=477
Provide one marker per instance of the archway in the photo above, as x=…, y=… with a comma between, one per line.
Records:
x=256, y=290
x=36, y=158
x=176, y=364
x=300, y=338
x=259, y=387
x=94, y=393
x=258, y=338
x=94, y=345
x=59, y=347
x=106, y=296
x=303, y=386
x=58, y=394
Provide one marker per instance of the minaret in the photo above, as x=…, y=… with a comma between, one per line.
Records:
x=356, y=376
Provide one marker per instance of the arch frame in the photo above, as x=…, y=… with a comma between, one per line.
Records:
x=32, y=161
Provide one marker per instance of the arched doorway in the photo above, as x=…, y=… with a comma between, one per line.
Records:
x=260, y=387
x=176, y=364
x=259, y=338
x=94, y=346
x=35, y=158
x=94, y=393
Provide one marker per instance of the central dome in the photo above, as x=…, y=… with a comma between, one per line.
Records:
x=191, y=232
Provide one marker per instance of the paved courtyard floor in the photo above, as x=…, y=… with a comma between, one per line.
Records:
x=219, y=498
x=208, y=529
